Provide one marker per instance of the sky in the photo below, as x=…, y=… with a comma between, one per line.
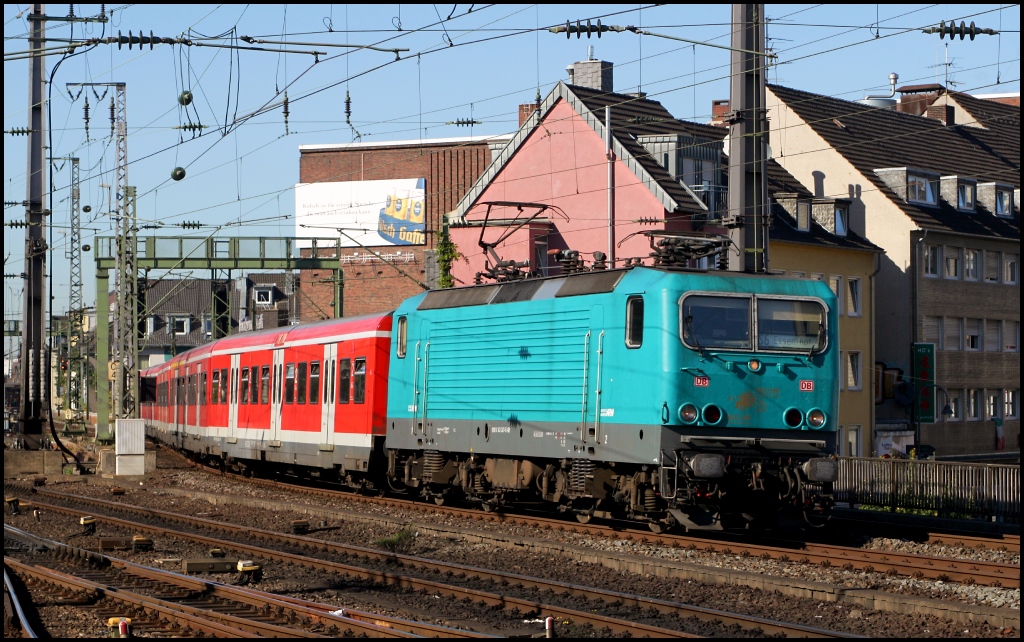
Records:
x=456, y=62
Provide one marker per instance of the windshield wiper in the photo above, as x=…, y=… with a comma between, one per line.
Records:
x=817, y=340
x=688, y=326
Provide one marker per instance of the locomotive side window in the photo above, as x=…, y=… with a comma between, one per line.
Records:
x=245, y=387
x=234, y=385
x=215, y=391
x=716, y=322
x=314, y=382
x=344, y=379
x=788, y=324
x=254, y=383
x=359, y=384
x=403, y=331
x=289, y=383
x=224, y=385
x=300, y=387
x=202, y=388
x=634, y=322
x=265, y=385
x=328, y=380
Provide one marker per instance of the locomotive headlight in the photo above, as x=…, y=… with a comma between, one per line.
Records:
x=816, y=418
x=754, y=365
x=688, y=413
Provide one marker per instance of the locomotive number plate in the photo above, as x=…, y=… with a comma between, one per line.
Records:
x=702, y=382
x=806, y=385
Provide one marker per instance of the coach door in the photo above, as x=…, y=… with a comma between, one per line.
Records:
x=420, y=385
x=277, y=394
x=236, y=361
x=592, y=378
x=329, y=390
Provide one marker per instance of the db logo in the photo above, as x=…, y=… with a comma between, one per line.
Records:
x=806, y=385
x=702, y=382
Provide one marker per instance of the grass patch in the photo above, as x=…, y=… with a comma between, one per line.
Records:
x=399, y=542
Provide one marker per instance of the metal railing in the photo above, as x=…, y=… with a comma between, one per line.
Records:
x=990, y=491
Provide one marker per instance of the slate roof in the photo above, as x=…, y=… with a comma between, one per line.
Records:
x=873, y=139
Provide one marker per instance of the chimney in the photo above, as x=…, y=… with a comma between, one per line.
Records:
x=592, y=74
x=915, y=99
x=942, y=113
x=525, y=111
x=719, y=108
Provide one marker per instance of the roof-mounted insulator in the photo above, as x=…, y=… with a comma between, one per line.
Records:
x=952, y=30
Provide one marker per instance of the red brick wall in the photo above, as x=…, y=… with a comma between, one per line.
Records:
x=376, y=286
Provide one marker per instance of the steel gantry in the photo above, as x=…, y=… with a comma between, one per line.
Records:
x=215, y=254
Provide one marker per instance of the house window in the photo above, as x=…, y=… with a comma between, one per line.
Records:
x=817, y=276
x=803, y=216
x=991, y=267
x=931, y=260
x=151, y=322
x=853, y=299
x=179, y=325
x=993, y=336
x=952, y=262
x=1010, y=268
x=264, y=296
x=853, y=371
x=932, y=331
x=1004, y=203
x=920, y=189
x=799, y=275
x=973, y=405
x=953, y=334
x=841, y=220
x=993, y=409
x=971, y=260
x=972, y=334
x=1012, y=338
x=955, y=406
x=853, y=441
x=965, y=196
x=207, y=325
x=1010, y=403
x=835, y=283
x=634, y=322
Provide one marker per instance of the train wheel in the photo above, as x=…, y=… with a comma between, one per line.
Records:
x=439, y=500
x=583, y=518
x=656, y=527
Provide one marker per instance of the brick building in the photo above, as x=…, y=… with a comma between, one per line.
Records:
x=378, y=278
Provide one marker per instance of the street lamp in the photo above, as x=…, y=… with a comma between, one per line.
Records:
x=947, y=409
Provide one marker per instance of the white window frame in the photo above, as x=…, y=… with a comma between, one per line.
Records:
x=803, y=216
x=854, y=371
x=835, y=282
x=931, y=261
x=921, y=189
x=1011, y=402
x=972, y=265
x=151, y=324
x=817, y=276
x=172, y=325
x=965, y=197
x=854, y=297
x=842, y=220
x=951, y=263
x=261, y=291
x=798, y=275
x=1004, y=203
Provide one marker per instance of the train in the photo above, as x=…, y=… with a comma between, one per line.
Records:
x=688, y=399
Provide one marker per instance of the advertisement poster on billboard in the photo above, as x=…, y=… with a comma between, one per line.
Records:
x=369, y=213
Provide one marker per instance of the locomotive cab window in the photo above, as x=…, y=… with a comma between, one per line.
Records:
x=716, y=322
x=789, y=324
x=634, y=322
x=403, y=332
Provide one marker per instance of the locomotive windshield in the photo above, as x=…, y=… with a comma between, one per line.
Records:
x=724, y=322
x=716, y=322
x=787, y=324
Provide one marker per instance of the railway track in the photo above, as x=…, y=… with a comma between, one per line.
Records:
x=413, y=573
x=240, y=610
x=848, y=558
x=16, y=622
x=999, y=542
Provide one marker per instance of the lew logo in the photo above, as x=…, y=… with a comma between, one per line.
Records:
x=806, y=385
x=702, y=382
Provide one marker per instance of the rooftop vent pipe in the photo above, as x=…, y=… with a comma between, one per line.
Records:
x=883, y=101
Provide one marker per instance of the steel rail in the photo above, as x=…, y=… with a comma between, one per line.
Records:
x=662, y=606
x=849, y=558
x=194, y=618
x=363, y=623
x=1003, y=542
x=12, y=595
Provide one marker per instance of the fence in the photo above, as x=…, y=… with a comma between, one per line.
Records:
x=990, y=491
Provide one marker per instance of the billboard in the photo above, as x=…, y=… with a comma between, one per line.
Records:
x=369, y=213
x=924, y=378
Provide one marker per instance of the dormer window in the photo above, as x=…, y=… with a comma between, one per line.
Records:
x=965, y=197
x=1004, y=203
x=921, y=190
x=841, y=220
x=803, y=216
x=264, y=295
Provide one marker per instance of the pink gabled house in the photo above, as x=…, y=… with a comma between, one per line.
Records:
x=666, y=174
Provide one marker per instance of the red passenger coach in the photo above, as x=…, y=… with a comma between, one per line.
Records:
x=313, y=395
